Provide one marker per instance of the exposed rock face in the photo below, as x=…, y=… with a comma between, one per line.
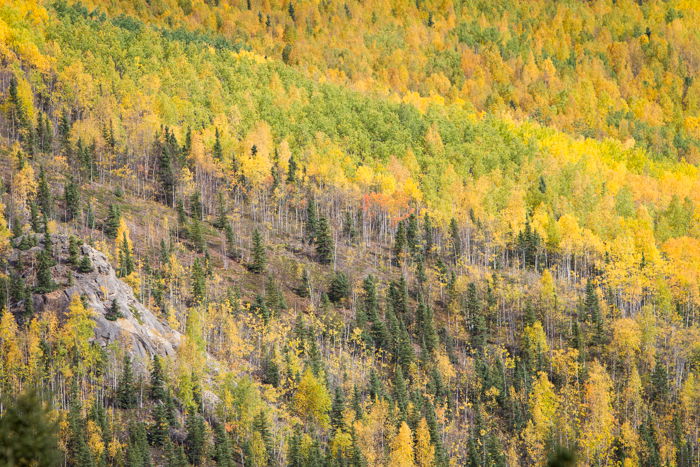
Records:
x=139, y=328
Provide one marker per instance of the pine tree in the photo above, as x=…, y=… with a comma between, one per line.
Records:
x=43, y=196
x=259, y=255
x=339, y=287
x=304, y=289
x=114, y=312
x=199, y=282
x=194, y=443
x=28, y=434
x=159, y=430
x=126, y=391
x=217, y=151
x=324, y=242
x=156, y=390
x=85, y=265
x=223, y=454
x=221, y=220
x=138, y=454
x=427, y=235
x=126, y=263
x=337, y=408
x=292, y=170
x=111, y=225
x=196, y=235
x=166, y=172
x=231, y=248
x=400, y=392
x=44, y=277
x=71, y=197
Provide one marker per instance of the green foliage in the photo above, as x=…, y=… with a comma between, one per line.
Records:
x=28, y=435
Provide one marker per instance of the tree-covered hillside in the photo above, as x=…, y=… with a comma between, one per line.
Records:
x=362, y=233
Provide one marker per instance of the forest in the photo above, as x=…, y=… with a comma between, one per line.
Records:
x=343, y=233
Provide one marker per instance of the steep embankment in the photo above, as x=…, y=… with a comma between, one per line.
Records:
x=137, y=328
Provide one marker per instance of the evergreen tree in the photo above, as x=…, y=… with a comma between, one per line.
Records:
x=401, y=392
x=85, y=265
x=44, y=277
x=231, y=248
x=199, y=281
x=304, y=289
x=71, y=196
x=138, y=454
x=221, y=220
x=271, y=371
x=292, y=170
x=159, y=430
x=126, y=263
x=427, y=235
x=399, y=243
x=259, y=255
x=111, y=225
x=126, y=390
x=114, y=312
x=217, y=150
x=28, y=434
x=223, y=454
x=194, y=443
x=43, y=196
x=324, y=242
x=339, y=287
x=337, y=408
x=166, y=172
x=156, y=391
x=197, y=235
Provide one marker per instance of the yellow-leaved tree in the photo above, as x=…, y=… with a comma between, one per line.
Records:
x=402, y=448
x=599, y=421
x=425, y=451
x=311, y=400
x=543, y=407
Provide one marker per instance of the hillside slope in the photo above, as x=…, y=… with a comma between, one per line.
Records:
x=315, y=271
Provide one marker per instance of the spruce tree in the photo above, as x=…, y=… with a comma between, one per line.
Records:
x=111, y=225
x=114, y=312
x=223, y=454
x=156, y=390
x=85, y=265
x=194, y=442
x=259, y=255
x=304, y=289
x=126, y=263
x=292, y=170
x=412, y=233
x=455, y=240
x=221, y=220
x=217, y=150
x=44, y=277
x=199, y=282
x=126, y=390
x=28, y=434
x=43, y=196
x=339, y=287
x=337, y=408
x=197, y=235
x=71, y=196
x=231, y=248
x=324, y=242
x=159, y=430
